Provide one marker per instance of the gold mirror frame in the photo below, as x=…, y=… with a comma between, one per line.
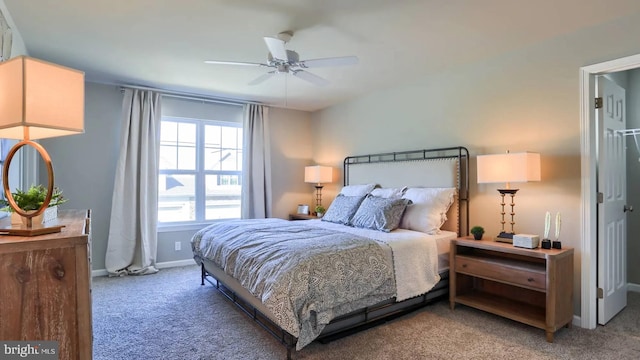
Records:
x=5, y=180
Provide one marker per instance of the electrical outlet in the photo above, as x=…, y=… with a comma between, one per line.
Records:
x=178, y=246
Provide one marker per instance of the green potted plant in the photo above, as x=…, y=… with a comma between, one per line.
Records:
x=32, y=200
x=477, y=232
x=320, y=210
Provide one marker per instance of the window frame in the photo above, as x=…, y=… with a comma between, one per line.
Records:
x=199, y=173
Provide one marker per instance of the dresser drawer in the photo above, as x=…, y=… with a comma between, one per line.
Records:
x=502, y=270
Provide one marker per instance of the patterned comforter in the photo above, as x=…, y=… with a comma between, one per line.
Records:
x=306, y=276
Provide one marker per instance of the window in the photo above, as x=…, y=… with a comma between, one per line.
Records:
x=200, y=170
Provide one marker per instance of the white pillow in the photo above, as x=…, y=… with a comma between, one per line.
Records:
x=389, y=193
x=357, y=190
x=428, y=210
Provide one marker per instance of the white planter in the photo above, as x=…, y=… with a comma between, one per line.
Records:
x=51, y=213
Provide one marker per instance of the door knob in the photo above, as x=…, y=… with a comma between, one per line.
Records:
x=628, y=208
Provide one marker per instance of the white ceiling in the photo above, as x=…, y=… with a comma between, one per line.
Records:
x=163, y=43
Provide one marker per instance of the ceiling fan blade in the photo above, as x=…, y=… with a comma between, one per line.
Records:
x=262, y=78
x=312, y=78
x=276, y=48
x=234, y=63
x=333, y=61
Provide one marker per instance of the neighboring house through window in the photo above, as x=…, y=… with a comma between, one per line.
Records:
x=200, y=172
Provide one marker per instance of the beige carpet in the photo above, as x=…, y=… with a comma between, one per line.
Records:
x=170, y=316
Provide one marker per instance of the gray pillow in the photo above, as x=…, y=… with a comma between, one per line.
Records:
x=380, y=213
x=342, y=209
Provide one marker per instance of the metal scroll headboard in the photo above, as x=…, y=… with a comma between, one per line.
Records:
x=443, y=167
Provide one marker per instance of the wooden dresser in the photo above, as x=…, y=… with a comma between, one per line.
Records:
x=45, y=286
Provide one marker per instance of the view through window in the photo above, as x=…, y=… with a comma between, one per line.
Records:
x=200, y=170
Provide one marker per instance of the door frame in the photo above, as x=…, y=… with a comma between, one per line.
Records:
x=588, y=182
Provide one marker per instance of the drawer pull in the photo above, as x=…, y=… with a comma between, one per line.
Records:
x=464, y=265
x=530, y=280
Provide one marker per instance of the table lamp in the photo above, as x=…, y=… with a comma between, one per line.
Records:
x=38, y=100
x=508, y=168
x=318, y=174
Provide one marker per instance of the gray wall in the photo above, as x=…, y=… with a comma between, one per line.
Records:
x=527, y=99
x=633, y=179
x=85, y=164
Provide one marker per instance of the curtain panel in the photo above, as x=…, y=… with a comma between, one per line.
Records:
x=133, y=238
x=256, y=165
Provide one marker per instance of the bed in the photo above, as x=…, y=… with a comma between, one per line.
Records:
x=321, y=279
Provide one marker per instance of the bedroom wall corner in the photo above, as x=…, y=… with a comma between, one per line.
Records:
x=291, y=151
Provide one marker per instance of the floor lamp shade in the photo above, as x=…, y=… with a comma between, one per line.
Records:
x=46, y=98
x=318, y=174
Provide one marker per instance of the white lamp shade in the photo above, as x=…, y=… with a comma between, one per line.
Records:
x=509, y=167
x=47, y=98
x=318, y=174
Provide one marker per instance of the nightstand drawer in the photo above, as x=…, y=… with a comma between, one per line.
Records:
x=501, y=270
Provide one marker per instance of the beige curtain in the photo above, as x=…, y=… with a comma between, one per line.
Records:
x=133, y=238
x=256, y=165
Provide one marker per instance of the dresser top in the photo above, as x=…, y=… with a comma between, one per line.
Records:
x=74, y=229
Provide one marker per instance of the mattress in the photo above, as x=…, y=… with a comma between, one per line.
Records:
x=416, y=255
x=442, y=240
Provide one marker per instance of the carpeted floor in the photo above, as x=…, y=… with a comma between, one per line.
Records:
x=170, y=316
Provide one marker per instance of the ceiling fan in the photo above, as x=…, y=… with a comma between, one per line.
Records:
x=288, y=61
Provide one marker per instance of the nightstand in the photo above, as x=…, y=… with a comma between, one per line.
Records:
x=302, y=217
x=532, y=286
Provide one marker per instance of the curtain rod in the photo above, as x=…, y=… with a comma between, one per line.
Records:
x=189, y=96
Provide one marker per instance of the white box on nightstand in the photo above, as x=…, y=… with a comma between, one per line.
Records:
x=526, y=241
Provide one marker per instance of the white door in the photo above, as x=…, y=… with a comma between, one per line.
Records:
x=612, y=219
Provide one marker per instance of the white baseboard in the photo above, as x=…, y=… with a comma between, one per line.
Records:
x=100, y=272
x=577, y=321
x=160, y=265
x=170, y=264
